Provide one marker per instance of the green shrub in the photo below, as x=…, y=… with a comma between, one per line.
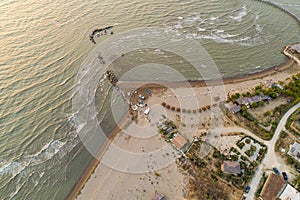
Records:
x=249, y=153
x=262, y=151
x=218, y=164
x=234, y=157
x=216, y=154
x=253, y=148
x=254, y=105
x=261, y=103
x=214, y=178
x=267, y=113
x=258, y=88
x=243, y=158
x=240, y=145
x=290, y=160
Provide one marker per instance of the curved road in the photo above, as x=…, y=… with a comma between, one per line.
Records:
x=270, y=159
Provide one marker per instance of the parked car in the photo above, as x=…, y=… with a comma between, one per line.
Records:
x=247, y=188
x=285, y=177
x=276, y=170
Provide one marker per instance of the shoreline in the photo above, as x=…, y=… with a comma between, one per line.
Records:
x=95, y=161
x=228, y=80
x=200, y=83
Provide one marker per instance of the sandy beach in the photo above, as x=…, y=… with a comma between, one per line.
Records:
x=143, y=166
x=137, y=162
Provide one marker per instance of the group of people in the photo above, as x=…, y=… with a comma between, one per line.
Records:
x=101, y=31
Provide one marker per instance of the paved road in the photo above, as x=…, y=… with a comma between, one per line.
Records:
x=270, y=159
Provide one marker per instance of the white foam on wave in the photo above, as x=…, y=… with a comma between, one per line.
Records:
x=71, y=118
x=18, y=186
x=3, y=165
x=64, y=82
x=46, y=146
x=14, y=167
x=41, y=174
x=245, y=41
x=47, y=152
x=258, y=28
x=24, y=167
x=158, y=52
x=180, y=17
x=178, y=26
x=213, y=18
x=240, y=15
x=53, y=149
x=201, y=29
x=222, y=34
x=80, y=127
x=192, y=19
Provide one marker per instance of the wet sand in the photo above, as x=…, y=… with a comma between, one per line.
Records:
x=95, y=162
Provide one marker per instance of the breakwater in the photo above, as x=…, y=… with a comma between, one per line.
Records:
x=296, y=17
x=99, y=31
x=292, y=51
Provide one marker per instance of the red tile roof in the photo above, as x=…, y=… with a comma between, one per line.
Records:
x=179, y=141
x=272, y=187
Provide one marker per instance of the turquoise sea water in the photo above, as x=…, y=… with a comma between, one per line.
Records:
x=44, y=43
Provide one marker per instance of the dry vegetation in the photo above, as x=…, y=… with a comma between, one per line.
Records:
x=284, y=142
x=203, y=181
x=264, y=114
x=203, y=184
